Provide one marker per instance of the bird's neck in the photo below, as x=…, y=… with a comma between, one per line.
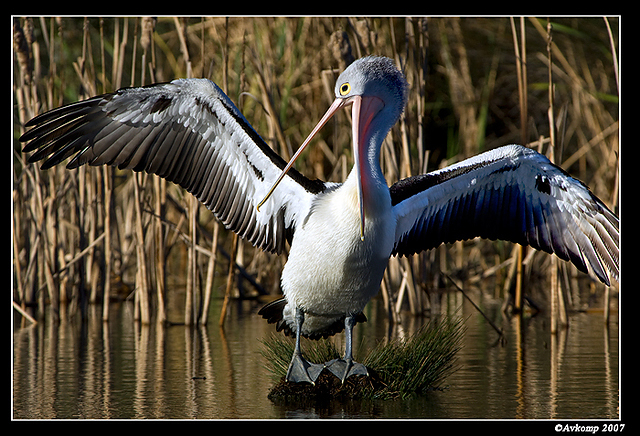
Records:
x=374, y=184
x=371, y=146
x=371, y=169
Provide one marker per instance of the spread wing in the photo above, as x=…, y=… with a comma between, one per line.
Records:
x=511, y=193
x=189, y=132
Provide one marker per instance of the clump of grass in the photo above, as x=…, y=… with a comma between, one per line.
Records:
x=400, y=368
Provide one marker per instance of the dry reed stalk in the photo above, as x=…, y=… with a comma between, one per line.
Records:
x=614, y=194
x=49, y=253
x=79, y=256
x=108, y=197
x=182, y=36
x=521, y=69
x=93, y=192
x=227, y=292
x=189, y=306
x=24, y=313
x=210, y=274
x=160, y=191
x=275, y=129
x=42, y=215
x=614, y=53
x=142, y=286
x=456, y=63
x=17, y=265
x=118, y=56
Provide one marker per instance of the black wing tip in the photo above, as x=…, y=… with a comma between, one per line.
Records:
x=39, y=136
x=33, y=122
x=26, y=136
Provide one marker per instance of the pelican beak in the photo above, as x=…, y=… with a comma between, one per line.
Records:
x=337, y=104
x=363, y=111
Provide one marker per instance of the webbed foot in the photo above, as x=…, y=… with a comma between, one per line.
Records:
x=300, y=370
x=346, y=368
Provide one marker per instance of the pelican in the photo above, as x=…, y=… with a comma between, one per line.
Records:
x=340, y=235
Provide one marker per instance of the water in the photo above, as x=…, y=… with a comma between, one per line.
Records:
x=124, y=371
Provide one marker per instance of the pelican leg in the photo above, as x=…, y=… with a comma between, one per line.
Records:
x=300, y=370
x=343, y=368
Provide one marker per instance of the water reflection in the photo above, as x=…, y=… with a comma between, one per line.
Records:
x=124, y=370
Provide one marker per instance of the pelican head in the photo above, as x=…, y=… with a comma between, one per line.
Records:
x=379, y=88
x=377, y=91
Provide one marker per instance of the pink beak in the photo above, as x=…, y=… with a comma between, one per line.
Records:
x=363, y=111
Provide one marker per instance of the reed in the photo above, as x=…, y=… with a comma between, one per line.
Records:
x=464, y=98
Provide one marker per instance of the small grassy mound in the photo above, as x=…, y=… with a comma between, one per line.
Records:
x=400, y=368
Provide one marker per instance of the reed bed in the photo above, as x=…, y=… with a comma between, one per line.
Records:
x=89, y=235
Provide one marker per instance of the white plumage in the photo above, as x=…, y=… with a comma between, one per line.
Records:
x=341, y=235
x=331, y=271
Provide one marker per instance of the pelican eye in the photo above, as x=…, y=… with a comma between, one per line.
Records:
x=345, y=88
